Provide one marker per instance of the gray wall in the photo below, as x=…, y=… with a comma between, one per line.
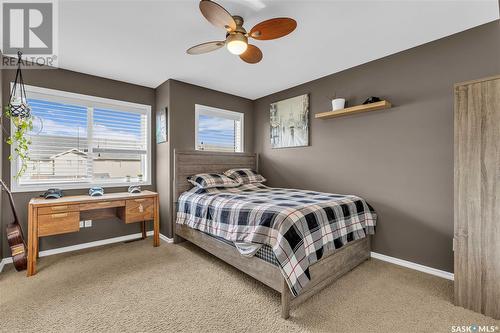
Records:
x=183, y=98
x=2, y=237
x=83, y=84
x=162, y=94
x=400, y=160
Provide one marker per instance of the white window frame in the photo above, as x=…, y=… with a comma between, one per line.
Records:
x=60, y=96
x=212, y=111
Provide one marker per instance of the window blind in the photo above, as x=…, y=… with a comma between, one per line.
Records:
x=59, y=149
x=79, y=139
x=119, y=143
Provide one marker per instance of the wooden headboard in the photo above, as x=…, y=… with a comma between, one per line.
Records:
x=188, y=163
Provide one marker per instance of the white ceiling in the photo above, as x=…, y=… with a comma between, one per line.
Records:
x=144, y=42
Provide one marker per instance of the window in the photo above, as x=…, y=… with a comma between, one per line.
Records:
x=80, y=141
x=218, y=130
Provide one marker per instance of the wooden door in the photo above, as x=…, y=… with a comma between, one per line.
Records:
x=477, y=196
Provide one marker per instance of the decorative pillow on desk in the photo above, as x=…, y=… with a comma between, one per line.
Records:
x=211, y=180
x=245, y=176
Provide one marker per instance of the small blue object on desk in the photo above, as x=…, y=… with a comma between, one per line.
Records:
x=134, y=189
x=96, y=192
x=52, y=193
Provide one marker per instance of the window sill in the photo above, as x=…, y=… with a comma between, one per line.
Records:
x=73, y=186
x=219, y=151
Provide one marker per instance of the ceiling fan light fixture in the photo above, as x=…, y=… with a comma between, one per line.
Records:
x=237, y=43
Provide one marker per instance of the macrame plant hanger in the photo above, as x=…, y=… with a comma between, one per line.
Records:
x=18, y=105
x=18, y=111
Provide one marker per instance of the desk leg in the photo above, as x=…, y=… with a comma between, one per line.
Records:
x=37, y=251
x=156, y=227
x=35, y=238
x=32, y=241
x=143, y=229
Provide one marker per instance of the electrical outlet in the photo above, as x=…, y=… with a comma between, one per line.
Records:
x=82, y=225
x=88, y=223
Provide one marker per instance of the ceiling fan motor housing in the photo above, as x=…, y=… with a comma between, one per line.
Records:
x=239, y=26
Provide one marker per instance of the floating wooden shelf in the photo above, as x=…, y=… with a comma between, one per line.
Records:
x=355, y=109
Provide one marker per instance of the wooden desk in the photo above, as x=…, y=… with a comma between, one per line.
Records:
x=47, y=217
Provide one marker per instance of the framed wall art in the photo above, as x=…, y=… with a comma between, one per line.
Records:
x=289, y=122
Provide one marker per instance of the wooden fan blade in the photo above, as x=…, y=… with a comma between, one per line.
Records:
x=205, y=47
x=273, y=28
x=217, y=15
x=252, y=55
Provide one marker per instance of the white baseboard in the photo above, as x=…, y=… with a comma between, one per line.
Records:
x=166, y=239
x=383, y=257
x=415, y=266
x=3, y=262
x=82, y=246
x=92, y=244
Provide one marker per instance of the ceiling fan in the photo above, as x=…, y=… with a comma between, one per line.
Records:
x=236, y=36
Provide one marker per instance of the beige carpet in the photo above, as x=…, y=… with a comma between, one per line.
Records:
x=137, y=288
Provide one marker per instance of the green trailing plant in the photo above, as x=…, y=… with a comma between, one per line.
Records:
x=20, y=139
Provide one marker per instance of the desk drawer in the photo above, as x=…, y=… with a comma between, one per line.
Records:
x=102, y=204
x=57, y=209
x=137, y=210
x=58, y=223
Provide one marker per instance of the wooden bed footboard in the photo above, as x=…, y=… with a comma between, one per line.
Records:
x=326, y=271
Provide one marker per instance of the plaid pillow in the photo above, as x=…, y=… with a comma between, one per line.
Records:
x=211, y=180
x=244, y=176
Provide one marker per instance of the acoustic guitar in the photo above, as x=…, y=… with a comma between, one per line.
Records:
x=15, y=236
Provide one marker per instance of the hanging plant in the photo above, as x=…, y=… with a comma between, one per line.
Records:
x=19, y=139
x=18, y=112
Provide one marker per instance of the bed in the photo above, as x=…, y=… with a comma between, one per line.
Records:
x=296, y=267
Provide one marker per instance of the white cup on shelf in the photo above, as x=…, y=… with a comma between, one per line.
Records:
x=338, y=104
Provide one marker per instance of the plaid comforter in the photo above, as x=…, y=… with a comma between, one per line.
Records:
x=299, y=225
